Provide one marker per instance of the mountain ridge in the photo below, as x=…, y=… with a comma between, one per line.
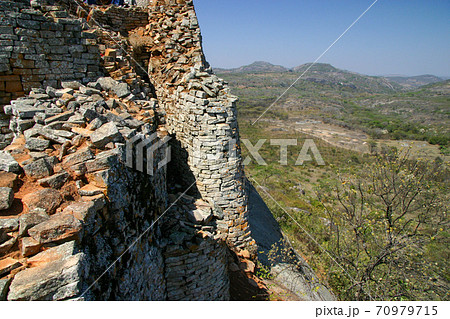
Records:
x=395, y=82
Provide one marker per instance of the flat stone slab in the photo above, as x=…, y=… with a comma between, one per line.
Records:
x=38, y=169
x=74, y=85
x=37, y=144
x=8, y=163
x=26, y=112
x=56, y=280
x=61, y=92
x=59, y=227
x=81, y=156
x=6, y=197
x=8, y=264
x=56, y=181
x=26, y=221
x=107, y=83
x=59, y=117
x=105, y=134
x=29, y=247
x=47, y=199
x=59, y=252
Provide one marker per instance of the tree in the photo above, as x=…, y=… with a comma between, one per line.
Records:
x=388, y=230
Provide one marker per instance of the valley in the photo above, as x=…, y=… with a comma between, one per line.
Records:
x=380, y=140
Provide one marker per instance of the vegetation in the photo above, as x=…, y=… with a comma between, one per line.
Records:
x=382, y=221
x=379, y=219
x=381, y=109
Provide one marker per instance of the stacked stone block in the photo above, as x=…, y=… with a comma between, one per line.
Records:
x=120, y=19
x=201, y=113
x=38, y=49
x=88, y=206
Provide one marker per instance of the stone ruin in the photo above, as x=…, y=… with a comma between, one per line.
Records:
x=80, y=88
x=78, y=85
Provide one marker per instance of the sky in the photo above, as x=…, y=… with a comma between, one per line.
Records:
x=403, y=37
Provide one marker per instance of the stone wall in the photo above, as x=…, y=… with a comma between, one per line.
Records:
x=73, y=207
x=201, y=113
x=120, y=19
x=80, y=207
x=38, y=49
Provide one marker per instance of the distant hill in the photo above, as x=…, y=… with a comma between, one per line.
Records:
x=255, y=67
x=439, y=87
x=318, y=67
x=327, y=74
x=412, y=82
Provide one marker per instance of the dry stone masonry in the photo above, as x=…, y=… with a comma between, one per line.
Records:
x=73, y=100
x=201, y=113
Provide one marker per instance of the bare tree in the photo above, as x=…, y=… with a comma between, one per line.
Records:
x=385, y=223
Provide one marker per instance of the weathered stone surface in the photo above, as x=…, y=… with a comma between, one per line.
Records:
x=80, y=156
x=61, y=92
x=56, y=136
x=59, y=117
x=8, y=244
x=56, y=280
x=8, y=163
x=4, y=287
x=59, y=252
x=74, y=85
x=107, y=83
x=122, y=90
x=8, y=264
x=38, y=169
x=47, y=199
x=59, y=227
x=90, y=190
x=56, y=181
x=200, y=216
x=88, y=91
x=6, y=197
x=37, y=144
x=29, y=247
x=8, y=179
x=81, y=210
x=105, y=134
x=103, y=161
x=95, y=124
x=26, y=221
x=8, y=225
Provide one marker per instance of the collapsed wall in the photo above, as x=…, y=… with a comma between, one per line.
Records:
x=77, y=221
x=38, y=50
